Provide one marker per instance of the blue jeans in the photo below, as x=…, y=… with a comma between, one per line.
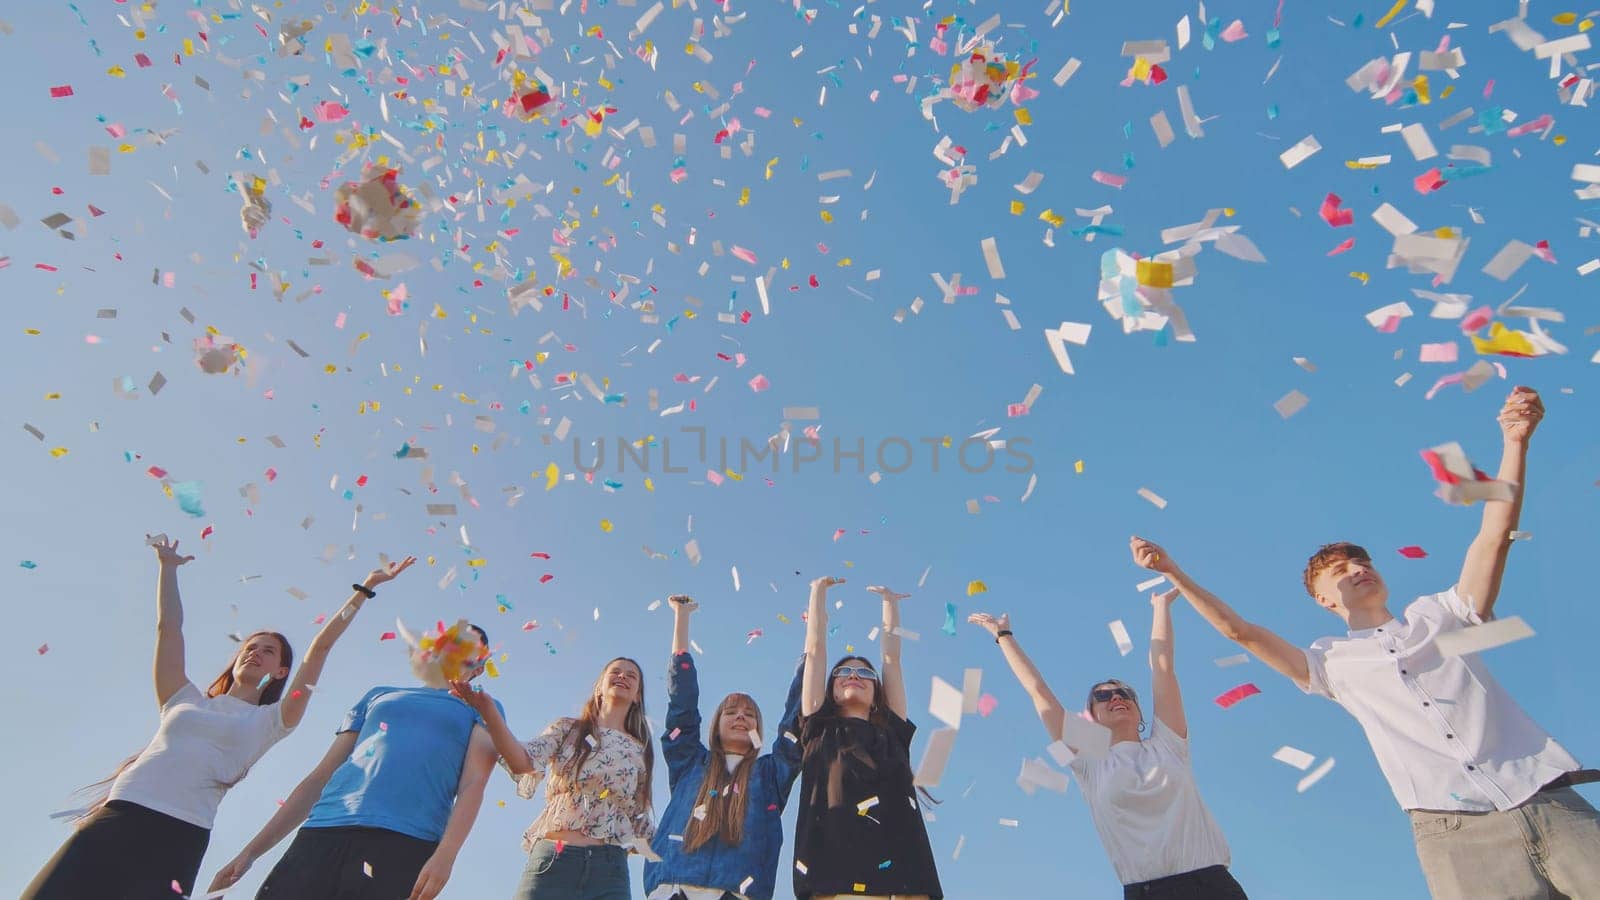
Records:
x=576, y=873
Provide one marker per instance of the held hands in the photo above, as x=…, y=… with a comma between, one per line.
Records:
x=822, y=584
x=431, y=880
x=230, y=874
x=167, y=551
x=384, y=574
x=990, y=623
x=683, y=603
x=1149, y=555
x=480, y=701
x=887, y=595
x=1520, y=415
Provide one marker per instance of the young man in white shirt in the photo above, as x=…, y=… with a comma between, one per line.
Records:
x=1489, y=792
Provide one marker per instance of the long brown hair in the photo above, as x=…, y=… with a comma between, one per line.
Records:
x=830, y=707
x=723, y=795
x=100, y=791
x=579, y=738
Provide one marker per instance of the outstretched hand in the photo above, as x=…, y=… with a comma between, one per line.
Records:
x=384, y=574
x=471, y=696
x=1521, y=414
x=1164, y=598
x=991, y=624
x=230, y=874
x=886, y=594
x=825, y=582
x=1149, y=555
x=167, y=551
x=683, y=603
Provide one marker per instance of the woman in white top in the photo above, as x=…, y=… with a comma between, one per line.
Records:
x=144, y=839
x=1141, y=792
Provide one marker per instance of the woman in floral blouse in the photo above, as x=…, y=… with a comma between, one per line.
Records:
x=597, y=802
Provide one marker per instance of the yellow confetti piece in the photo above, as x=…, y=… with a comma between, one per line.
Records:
x=58, y=452
x=1353, y=164
x=826, y=216
x=1151, y=273
x=649, y=485
x=1078, y=467
x=1393, y=11
x=330, y=368
x=844, y=262
x=490, y=668
x=1566, y=18
x=1448, y=90
x=744, y=196
x=52, y=396
x=1017, y=207
x=552, y=474
x=1363, y=276
x=770, y=163
x=1022, y=115
x=605, y=525
x=732, y=474
x=1559, y=139
x=1421, y=87
x=32, y=331
x=975, y=588
x=476, y=563
x=117, y=72
x=849, y=648
x=1051, y=217
x=1585, y=25
x=783, y=618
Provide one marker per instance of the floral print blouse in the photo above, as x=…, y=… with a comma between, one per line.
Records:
x=604, y=804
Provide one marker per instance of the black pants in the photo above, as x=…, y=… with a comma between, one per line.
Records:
x=1210, y=883
x=347, y=863
x=124, y=852
x=726, y=895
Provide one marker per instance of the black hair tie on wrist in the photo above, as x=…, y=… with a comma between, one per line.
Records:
x=363, y=589
x=1000, y=634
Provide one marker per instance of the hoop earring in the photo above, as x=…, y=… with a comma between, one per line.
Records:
x=1141, y=726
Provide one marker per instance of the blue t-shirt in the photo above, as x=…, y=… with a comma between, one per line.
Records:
x=410, y=747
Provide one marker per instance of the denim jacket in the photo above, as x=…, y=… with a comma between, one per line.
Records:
x=715, y=864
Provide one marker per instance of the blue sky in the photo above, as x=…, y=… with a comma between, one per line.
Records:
x=1249, y=494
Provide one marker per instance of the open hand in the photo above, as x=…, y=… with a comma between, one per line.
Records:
x=887, y=595
x=167, y=551
x=230, y=874
x=825, y=582
x=990, y=623
x=1164, y=598
x=1521, y=414
x=471, y=696
x=1149, y=555
x=431, y=880
x=387, y=573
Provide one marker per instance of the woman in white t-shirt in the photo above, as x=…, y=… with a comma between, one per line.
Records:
x=1141, y=792
x=145, y=837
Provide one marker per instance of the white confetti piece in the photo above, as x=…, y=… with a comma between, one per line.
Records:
x=1238, y=659
x=1289, y=756
x=1119, y=633
x=1291, y=403
x=1316, y=776
x=1483, y=637
x=1149, y=583
x=1155, y=499
x=991, y=258
x=1300, y=152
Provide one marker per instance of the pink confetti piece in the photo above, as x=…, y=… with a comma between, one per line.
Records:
x=739, y=252
x=1230, y=697
x=759, y=383
x=328, y=111
x=751, y=635
x=386, y=636
x=43, y=649
x=338, y=321
x=1333, y=215
x=1234, y=32
x=1476, y=319
x=986, y=705
x=1443, y=353
x=838, y=533
x=1016, y=409
x=1110, y=180
x=59, y=91
x=1390, y=325
x=1344, y=246
x=1413, y=552
x=1488, y=88
x=714, y=478
x=1539, y=124
x=1428, y=182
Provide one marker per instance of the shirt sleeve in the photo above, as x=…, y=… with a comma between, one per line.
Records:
x=186, y=694
x=357, y=715
x=1460, y=611
x=1167, y=739
x=542, y=751
x=786, y=756
x=901, y=729
x=681, y=746
x=1317, y=671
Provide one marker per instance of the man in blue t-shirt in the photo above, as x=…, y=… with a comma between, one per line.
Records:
x=389, y=806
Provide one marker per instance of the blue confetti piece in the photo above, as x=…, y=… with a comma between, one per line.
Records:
x=188, y=494
x=949, y=626
x=29, y=564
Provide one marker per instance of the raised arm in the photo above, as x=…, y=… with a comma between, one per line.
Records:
x=305, y=678
x=1164, y=678
x=1485, y=564
x=681, y=746
x=290, y=814
x=469, y=799
x=894, y=677
x=815, y=688
x=1050, y=710
x=170, y=672
x=1264, y=644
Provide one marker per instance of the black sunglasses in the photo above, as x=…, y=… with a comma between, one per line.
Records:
x=1106, y=695
x=857, y=671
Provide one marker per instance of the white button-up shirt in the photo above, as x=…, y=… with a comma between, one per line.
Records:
x=1447, y=735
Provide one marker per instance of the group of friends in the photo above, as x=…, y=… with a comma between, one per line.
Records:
x=385, y=813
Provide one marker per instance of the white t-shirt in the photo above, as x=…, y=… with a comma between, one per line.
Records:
x=203, y=747
x=1148, y=810
x=1447, y=735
